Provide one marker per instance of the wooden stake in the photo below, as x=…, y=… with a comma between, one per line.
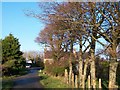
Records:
x=70, y=74
x=66, y=76
x=94, y=84
x=100, y=86
x=89, y=82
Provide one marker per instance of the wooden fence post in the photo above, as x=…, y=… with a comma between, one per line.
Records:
x=94, y=84
x=89, y=86
x=100, y=86
x=85, y=68
x=66, y=76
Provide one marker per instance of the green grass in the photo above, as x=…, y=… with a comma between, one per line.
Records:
x=7, y=82
x=7, y=85
x=52, y=82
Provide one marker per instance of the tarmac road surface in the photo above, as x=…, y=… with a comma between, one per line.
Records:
x=30, y=81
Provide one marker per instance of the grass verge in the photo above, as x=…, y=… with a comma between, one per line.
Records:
x=52, y=82
x=7, y=82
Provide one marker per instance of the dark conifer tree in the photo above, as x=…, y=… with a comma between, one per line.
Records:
x=10, y=48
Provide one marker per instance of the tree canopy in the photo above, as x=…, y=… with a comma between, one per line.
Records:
x=82, y=23
x=12, y=60
x=10, y=48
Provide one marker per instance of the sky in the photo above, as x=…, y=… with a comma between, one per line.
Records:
x=25, y=28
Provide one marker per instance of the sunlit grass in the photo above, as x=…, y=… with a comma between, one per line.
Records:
x=52, y=82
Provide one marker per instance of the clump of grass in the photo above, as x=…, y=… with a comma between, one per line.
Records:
x=52, y=82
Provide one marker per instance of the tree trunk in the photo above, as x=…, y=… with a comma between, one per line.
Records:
x=83, y=81
x=113, y=66
x=85, y=68
x=80, y=64
x=76, y=81
x=112, y=74
x=80, y=73
x=92, y=51
x=73, y=80
x=70, y=74
x=66, y=76
x=93, y=77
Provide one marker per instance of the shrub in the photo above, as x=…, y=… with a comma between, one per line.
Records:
x=12, y=67
x=102, y=69
x=56, y=68
x=39, y=64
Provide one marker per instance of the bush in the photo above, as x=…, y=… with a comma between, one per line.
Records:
x=38, y=64
x=56, y=68
x=12, y=67
x=102, y=69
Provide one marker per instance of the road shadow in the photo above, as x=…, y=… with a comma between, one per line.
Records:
x=26, y=80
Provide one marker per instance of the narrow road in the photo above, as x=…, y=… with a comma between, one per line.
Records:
x=31, y=81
